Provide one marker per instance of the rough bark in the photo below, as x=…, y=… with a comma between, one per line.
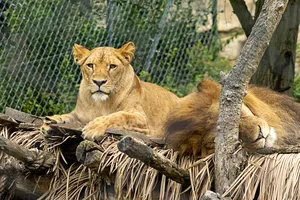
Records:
x=138, y=150
x=89, y=154
x=33, y=160
x=277, y=67
x=281, y=150
x=243, y=14
x=120, y=133
x=23, y=117
x=14, y=182
x=229, y=162
x=210, y=195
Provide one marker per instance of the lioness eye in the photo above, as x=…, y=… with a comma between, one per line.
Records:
x=112, y=66
x=90, y=65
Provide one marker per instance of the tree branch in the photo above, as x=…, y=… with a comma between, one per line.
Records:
x=282, y=150
x=229, y=163
x=209, y=195
x=138, y=150
x=33, y=160
x=120, y=133
x=14, y=182
x=157, y=37
x=243, y=14
x=89, y=154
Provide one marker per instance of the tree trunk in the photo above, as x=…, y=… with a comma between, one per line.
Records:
x=229, y=162
x=157, y=37
x=110, y=21
x=243, y=14
x=277, y=67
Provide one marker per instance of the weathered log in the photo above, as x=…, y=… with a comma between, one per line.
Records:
x=243, y=14
x=64, y=129
x=210, y=195
x=282, y=150
x=6, y=120
x=19, y=120
x=17, y=183
x=147, y=155
x=34, y=160
x=89, y=154
x=120, y=133
x=23, y=117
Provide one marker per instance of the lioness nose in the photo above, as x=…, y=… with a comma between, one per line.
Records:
x=99, y=83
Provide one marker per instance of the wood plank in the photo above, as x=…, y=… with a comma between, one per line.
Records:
x=140, y=151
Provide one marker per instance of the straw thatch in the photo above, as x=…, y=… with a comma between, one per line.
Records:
x=274, y=176
x=124, y=177
x=116, y=176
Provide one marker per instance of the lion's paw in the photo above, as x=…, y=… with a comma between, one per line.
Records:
x=95, y=130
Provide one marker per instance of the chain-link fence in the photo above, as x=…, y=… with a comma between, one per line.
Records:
x=175, y=40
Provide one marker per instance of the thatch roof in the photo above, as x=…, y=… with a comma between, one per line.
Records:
x=117, y=176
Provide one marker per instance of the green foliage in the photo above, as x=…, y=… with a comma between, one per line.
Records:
x=44, y=32
x=40, y=77
x=296, y=90
x=201, y=62
x=296, y=86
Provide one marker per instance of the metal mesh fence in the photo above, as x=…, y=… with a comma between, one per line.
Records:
x=174, y=40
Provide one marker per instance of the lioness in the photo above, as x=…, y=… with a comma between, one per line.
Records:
x=111, y=95
x=268, y=119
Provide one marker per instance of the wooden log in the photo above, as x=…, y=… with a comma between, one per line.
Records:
x=89, y=154
x=23, y=117
x=120, y=133
x=6, y=120
x=210, y=195
x=138, y=150
x=282, y=150
x=66, y=129
x=33, y=159
x=14, y=182
x=20, y=120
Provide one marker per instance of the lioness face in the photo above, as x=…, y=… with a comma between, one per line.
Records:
x=103, y=68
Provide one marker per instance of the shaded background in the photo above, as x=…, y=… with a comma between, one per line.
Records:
x=176, y=41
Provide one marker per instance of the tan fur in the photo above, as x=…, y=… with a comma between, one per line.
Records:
x=123, y=102
x=267, y=119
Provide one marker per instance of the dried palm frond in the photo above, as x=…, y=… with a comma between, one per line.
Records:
x=125, y=178
x=129, y=178
x=274, y=176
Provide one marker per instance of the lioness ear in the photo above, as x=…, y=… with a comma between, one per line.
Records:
x=79, y=52
x=127, y=50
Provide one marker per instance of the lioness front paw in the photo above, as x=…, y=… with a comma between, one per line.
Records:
x=95, y=130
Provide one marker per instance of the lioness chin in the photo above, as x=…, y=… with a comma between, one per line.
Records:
x=112, y=96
